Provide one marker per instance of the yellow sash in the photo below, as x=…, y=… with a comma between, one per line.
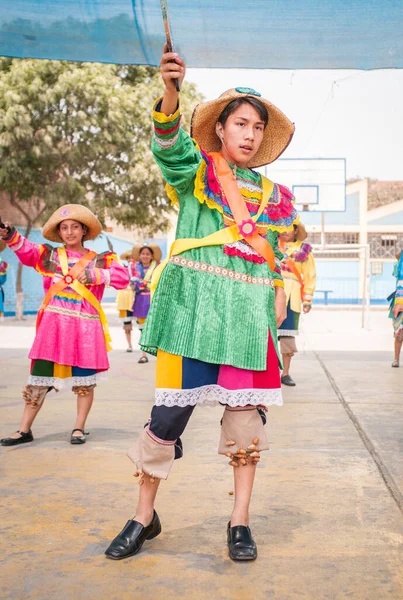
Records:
x=218, y=238
x=87, y=294
x=149, y=274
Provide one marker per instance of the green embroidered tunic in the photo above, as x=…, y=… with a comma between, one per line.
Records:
x=214, y=304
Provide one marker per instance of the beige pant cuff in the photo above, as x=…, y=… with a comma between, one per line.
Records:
x=288, y=347
x=83, y=390
x=34, y=395
x=152, y=457
x=242, y=426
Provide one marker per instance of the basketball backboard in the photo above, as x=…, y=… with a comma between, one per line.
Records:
x=318, y=184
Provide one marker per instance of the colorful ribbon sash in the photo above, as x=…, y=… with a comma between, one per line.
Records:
x=230, y=234
x=69, y=280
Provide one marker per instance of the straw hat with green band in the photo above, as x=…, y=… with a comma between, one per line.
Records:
x=157, y=254
x=76, y=212
x=277, y=134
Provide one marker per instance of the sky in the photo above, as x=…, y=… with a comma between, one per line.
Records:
x=356, y=115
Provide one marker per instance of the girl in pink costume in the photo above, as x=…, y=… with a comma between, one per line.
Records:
x=72, y=338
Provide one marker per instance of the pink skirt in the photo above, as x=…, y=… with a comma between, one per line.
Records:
x=71, y=340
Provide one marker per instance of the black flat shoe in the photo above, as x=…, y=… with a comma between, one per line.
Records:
x=287, y=380
x=24, y=439
x=132, y=537
x=240, y=543
x=78, y=439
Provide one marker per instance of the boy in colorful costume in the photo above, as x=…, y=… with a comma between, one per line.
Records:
x=218, y=297
x=3, y=279
x=396, y=308
x=72, y=337
x=299, y=274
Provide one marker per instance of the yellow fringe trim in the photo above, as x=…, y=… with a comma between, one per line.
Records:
x=199, y=189
x=42, y=272
x=161, y=117
x=252, y=195
x=172, y=194
x=283, y=228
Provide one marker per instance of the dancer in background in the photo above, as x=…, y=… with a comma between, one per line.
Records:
x=219, y=296
x=145, y=258
x=396, y=308
x=72, y=337
x=299, y=274
x=3, y=279
x=125, y=299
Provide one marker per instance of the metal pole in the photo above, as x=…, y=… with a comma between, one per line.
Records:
x=368, y=299
x=365, y=290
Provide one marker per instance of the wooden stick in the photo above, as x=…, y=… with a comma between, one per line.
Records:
x=171, y=47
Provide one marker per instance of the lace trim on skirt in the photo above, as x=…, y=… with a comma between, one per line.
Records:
x=210, y=395
x=287, y=332
x=68, y=382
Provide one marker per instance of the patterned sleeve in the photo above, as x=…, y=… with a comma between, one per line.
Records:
x=272, y=238
x=108, y=271
x=399, y=283
x=176, y=154
x=28, y=253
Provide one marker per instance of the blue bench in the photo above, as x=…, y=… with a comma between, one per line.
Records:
x=325, y=294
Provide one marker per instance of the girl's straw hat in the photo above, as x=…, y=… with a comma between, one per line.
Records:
x=277, y=134
x=77, y=213
x=156, y=251
x=126, y=255
x=398, y=255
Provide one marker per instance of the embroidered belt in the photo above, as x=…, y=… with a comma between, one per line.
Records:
x=71, y=313
x=216, y=270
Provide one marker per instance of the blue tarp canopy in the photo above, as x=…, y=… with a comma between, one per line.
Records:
x=258, y=34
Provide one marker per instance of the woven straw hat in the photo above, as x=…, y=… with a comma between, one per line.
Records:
x=77, y=213
x=277, y=135
x=398, y=255
x=301, y=232
x=126, y=255
x=156, y=250
x=3, y=245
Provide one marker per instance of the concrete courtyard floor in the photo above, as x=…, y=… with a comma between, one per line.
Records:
x=327, y=511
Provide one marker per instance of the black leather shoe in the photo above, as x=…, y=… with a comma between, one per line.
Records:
x=287, y=380
x=24, y=439
x=240, y=543
x=132, y=537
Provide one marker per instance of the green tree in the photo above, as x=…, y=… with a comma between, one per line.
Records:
x=81, y=132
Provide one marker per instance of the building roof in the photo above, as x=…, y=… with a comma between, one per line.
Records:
x=383, y=192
